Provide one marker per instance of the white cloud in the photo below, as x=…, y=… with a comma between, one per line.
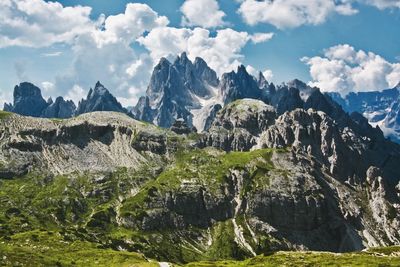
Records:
x=222, y=52
x=76, y=94
x=47, y=86
x=383, y=4
x=128, y=26
x=294, y=13
x=36, y=23
x=51, y=54
x=287, y=13
x=204, y=13
x=103, y=49
x=261, y=37
x=5, y=97
x=343, y=69
x=108, y=56
x=268, y=75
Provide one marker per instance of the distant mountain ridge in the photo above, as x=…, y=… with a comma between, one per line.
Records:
x=192, y=91
x=381, y=108
x=28, y=101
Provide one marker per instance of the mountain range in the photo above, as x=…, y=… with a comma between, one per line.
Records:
x=193, y=92
x=240, y=167
x=381, y=108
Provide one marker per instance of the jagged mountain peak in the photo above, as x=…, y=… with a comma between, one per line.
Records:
x=238, y=85
x=99, y=99
x=26, y=88
x=175, y=89
x=296, y=83
x=28, y=100
x=182, y=59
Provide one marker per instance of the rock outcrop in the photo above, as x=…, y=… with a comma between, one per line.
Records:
x=60, y=108
x=175, y=90
x=28, y=100
x=379, y=107
x=237, y=125
x=99, y=99
x=239, y=85
x=256, y=182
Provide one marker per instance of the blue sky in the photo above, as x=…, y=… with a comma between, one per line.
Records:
x=348, y=45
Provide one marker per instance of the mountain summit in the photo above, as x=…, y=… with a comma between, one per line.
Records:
x=28, y=101
x=99, y=99
x=177, y=90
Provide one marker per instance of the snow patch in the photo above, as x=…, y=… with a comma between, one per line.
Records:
x=201, y=114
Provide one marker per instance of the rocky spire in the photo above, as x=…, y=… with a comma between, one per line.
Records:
x=99, y=99
x=28, y=100
x=238, y=85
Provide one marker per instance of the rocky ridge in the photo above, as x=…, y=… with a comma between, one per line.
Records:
x=28, y=101
x=379, y=107
x=257, y=181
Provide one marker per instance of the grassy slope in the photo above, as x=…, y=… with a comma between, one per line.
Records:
x=41, y=218
x=47, y=248
x=4, y=114
x=319, y=259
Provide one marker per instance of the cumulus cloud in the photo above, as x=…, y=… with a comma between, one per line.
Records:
x=104, y=48
x=47, y=88
x=128, y=26
x=261, y=37
x=107, y=55
x=36, y=23
x=344, y=69
x=294, y=13
x=204, y=13
x=268, y=75
x=287, y=13
x=222, y=52
x=382, y=4
x=5, y=97
x=76, y=94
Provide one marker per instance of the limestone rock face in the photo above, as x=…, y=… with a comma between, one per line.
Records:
x=180, y=127
x=94, y=141
x=380, y=107
x=237, y=125
x=28, y=100
x=99, y=99
x=318, y=135
x=61, y=109
x=239, y=85
x=175, y=89
x=256, y=181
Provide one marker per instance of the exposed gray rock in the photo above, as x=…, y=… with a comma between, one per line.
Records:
x=318, y=135
x=28, y=100
x=239, y=85
x=174, y=90
x=59, y=109
x=180, y=127
x=238, y=125
x=380, y=107
x=94, y=141
x=99, y=99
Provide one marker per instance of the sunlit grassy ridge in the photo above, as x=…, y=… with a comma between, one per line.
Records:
x=70, y=220
x=317, y=259
x=4, y=114
x=48, y=248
